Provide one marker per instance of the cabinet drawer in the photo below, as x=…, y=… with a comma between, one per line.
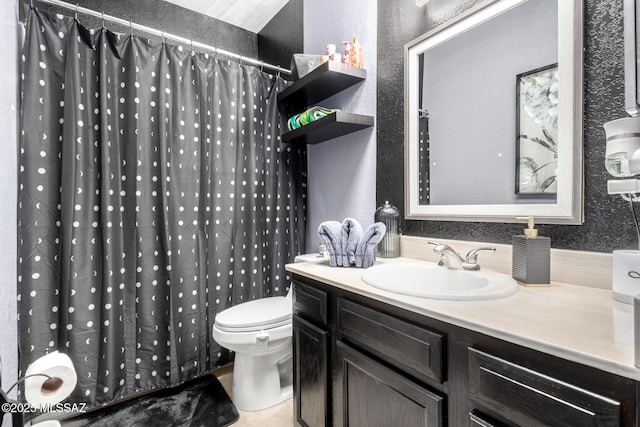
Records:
x=410, y=348
x=530, y=398
x=310, y=303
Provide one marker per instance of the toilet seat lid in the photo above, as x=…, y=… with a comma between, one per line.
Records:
x=255, y=315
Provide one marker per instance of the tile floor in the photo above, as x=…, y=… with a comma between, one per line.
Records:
x=277, y=416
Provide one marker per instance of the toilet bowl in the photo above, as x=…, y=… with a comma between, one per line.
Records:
x=260, y=334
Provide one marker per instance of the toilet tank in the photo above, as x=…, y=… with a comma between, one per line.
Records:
x=315, y=257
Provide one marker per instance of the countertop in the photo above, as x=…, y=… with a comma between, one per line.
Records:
x=577, y=323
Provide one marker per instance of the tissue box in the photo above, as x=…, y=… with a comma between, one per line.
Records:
x=302, y=64
x=626, y=275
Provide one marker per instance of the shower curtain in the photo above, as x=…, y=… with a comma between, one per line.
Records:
x=154, y=192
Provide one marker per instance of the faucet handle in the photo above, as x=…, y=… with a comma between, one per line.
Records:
x=439, y=247
x=448, y=256
x=472, y=255
x=439, y=250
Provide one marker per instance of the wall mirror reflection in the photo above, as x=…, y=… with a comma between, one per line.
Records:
x=493, y=119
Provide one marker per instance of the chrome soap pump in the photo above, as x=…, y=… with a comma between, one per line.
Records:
x=389, y=215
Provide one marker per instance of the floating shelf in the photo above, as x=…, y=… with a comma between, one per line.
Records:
x=324, y=81
x=329, y=127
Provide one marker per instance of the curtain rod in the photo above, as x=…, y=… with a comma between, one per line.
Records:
x=164, y=35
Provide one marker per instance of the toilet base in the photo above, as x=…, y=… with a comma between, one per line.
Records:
x=262, y=380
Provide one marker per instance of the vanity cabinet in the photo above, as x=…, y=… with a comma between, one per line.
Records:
x=326, y=80
x=382, y=365
x=379, y=366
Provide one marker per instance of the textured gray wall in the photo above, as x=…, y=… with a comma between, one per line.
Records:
x=608, y=223
x=342, y=172
x=8, y=193
x=283, y=35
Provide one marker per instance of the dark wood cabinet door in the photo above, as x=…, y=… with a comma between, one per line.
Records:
x=374, y=395
x=310, y=375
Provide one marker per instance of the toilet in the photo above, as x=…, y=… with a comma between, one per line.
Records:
x=260, y=333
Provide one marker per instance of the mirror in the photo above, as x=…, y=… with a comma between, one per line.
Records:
x=493, y=115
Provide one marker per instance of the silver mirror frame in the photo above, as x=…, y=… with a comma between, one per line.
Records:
x=569, y=206
x=631, y=56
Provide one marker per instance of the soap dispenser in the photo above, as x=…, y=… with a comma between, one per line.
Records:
x=531, y=264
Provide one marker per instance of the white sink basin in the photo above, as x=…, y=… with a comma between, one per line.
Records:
x=429, y=280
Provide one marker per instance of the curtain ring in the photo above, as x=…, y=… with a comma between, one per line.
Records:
x=278, y=71
x=103, y=26
x=162, y=37
x=31, y=3
x=191, y=42
x=130, y=28
x=261, y=66
x=76, y=14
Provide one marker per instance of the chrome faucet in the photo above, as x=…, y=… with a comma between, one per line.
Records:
x=451, y=259
x=448, y=257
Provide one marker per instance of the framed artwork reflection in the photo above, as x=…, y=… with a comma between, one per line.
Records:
x=537, y=131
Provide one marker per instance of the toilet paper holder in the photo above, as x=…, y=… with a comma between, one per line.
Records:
x=52, y=384
x=16, y=416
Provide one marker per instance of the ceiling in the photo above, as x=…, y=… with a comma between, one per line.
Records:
x=251, y=15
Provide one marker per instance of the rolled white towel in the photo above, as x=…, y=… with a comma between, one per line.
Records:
x=366, y=250
x=350, y=237
x=330, y=233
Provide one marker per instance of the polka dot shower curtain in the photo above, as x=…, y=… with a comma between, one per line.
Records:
x=154, y=193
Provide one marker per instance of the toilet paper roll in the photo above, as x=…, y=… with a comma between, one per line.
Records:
x=40, y=390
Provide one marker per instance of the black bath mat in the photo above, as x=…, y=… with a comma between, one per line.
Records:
x=197, y=403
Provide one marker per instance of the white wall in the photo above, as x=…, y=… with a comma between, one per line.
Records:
x=8, y=192
x=342, y=171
